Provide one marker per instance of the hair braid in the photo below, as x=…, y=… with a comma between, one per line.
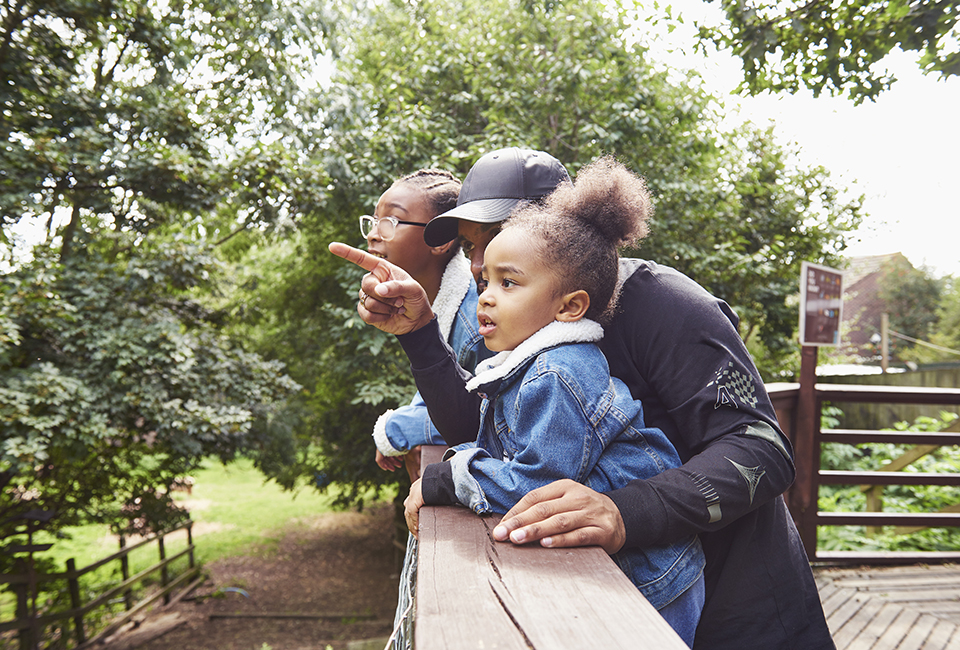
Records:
x=440, y=188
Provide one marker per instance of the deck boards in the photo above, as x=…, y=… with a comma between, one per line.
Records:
x=892, y=608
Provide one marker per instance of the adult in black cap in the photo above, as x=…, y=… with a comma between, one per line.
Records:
x=678, y=350
x=496, y=184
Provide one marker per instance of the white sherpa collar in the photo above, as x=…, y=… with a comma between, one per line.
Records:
x=551, y=335
x=453, y=287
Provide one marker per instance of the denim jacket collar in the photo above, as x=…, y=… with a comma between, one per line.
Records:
x=556, y=333
x=453, y=287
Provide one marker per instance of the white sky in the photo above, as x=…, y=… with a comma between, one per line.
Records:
x=902, y=152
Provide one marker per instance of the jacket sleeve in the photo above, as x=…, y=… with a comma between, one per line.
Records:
x=553, y=441
x=398, y=431
x=698, y=383
x=442, y=383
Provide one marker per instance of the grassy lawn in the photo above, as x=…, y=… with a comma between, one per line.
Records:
x=234, y=512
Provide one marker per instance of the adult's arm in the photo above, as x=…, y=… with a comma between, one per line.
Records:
x=397, y=304
x=442, y=383
x=389, y=299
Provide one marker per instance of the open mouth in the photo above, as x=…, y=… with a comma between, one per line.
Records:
x=382, y=256
x=487, y=326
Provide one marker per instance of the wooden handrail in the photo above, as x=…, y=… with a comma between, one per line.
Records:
x=473, y=592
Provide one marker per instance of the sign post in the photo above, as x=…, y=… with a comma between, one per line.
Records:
x=821, y=305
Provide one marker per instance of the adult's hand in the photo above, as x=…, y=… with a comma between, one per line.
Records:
x=389, y=298
x=564, y=513
x=411, y=508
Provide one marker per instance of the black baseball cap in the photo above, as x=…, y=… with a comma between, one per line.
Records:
x=495, y=185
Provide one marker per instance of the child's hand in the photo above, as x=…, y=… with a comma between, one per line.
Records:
x=389, y=463
x=412, y=461
x=412, y=505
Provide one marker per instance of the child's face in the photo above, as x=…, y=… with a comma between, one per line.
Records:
x=406, y=248
x=521, y=295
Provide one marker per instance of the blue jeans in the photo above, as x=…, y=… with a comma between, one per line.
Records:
x=683, y=613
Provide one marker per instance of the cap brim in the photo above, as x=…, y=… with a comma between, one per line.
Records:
x=443, y=228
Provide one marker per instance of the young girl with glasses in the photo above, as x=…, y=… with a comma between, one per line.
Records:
x=550, y=409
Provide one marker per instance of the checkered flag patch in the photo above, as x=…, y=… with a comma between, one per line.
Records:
x=734, y=388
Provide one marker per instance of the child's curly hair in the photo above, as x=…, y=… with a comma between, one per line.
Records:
x=579, y=227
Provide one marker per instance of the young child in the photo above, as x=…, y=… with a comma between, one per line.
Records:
x=395, y=233
x=550, y=408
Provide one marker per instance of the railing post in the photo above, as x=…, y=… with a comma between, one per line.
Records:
x=74, y=583
x=164, y=573
x=190, y=543
x=25, y=635
x=804, y=495
x=125, y=572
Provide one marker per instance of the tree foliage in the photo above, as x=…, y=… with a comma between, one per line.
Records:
x=121, y=117
x=431, y=83
x=135, y=133
x=116, y=383
x=942, y=320
x=911, y=297
x=835, y=47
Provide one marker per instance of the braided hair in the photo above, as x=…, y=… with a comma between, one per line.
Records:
x=439, y=187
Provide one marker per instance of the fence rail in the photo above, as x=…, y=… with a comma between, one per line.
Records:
x=29, y=623
x=799, y=410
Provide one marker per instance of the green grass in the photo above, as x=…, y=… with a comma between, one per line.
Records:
x=234, y=510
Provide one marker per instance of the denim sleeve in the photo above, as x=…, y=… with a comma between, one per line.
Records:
x=548, y=437
x=398, y=431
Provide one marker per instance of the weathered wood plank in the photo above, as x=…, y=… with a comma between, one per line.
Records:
x=856, y=624
x=897, y=631
x=836, y=600
x=841, y=615
x=939, y=636
x=473, y=592
x=875, y=627
x=919, y=632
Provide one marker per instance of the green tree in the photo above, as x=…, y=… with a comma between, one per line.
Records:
x=835, y=47
x=431, y=83
x=141, y=135
x=943, y=334
x=121, y=117
x=116, y=383
x=911, y=297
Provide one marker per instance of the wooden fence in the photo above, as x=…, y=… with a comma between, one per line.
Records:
x=872, y=415
x=798, y=409
x=473, y=592
x=30, y=622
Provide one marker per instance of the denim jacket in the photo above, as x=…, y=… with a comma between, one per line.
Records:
x=551, y=410
x=399, y=430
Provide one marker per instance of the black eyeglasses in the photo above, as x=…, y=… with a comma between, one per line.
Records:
x=386, y=225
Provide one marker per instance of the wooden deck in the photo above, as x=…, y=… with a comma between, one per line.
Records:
x=892, y=608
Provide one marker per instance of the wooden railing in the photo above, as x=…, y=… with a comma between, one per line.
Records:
x=473, y=592
x=798, y=410
x=29, y=623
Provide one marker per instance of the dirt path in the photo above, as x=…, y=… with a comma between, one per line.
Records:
x=343, y=567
